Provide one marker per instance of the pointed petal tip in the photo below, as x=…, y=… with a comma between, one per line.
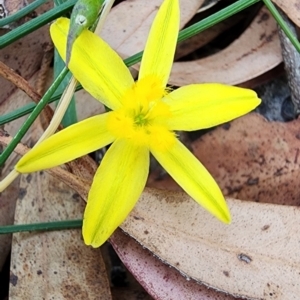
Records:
x=217, y=103
x=120, y=190
x=258, y=101
x=93, y=243
x=222, y=213
x=161, y=43
x=227, y=218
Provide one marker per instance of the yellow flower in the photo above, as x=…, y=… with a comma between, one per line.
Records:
x=143, y=119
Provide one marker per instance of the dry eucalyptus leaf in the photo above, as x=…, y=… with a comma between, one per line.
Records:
x=256, y=51
x=124, y=284
x=291, y=8
x=161, y=281
x=11, y=7
x=127, y=26
x=23, y=56
x=8, y=200
x=256, y=256
x=9, y=196
x=53, y=265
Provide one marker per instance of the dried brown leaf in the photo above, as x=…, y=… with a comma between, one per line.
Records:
x=24, y=57
x=254, y=159
x=291, y=8
x=256, y=256
x=256, y=51
x=161, y=281
x=128, y=24
x=53, y=264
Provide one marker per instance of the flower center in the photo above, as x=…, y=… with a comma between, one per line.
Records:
x=142, y=118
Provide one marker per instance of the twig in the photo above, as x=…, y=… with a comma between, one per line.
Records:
x=18, y=81
x=23, y=85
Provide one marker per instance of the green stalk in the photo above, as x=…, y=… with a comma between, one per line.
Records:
x=70, y=116
x=22, y=13
x=57, y=225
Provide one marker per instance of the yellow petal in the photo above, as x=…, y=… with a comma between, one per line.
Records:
x=74, y=141
x=160, y=47
x=94, y=64
x=116, y=188
x=200, y=106
x=191, y=175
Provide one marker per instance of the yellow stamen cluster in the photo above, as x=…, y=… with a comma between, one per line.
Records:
x=145, y=122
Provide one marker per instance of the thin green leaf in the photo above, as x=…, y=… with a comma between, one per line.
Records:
x=58, y=225
x=21, y=13
x=36, y=23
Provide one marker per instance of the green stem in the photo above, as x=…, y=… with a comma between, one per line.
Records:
x=37, y=110
x=57, y=225
x=21, y=13
x=36, y=23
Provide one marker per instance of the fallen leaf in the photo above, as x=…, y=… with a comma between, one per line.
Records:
x=256, y=51
x=160, y=281
x=203, y=38
x=23, y=56
x=128, y=24
x=291, y=8
x=256, y=256
x=265, y=164
x=55, y=264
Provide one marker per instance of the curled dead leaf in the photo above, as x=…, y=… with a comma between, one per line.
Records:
x=256, y=51
x=256, y=256
x=128, y=24
x=160, y=281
